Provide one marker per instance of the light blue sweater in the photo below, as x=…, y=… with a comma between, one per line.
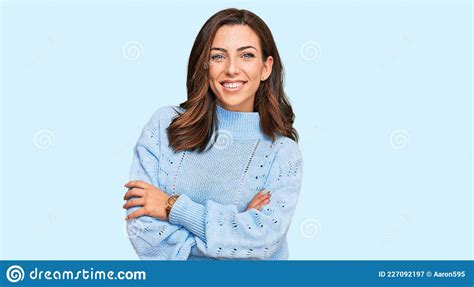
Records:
x=209, y=220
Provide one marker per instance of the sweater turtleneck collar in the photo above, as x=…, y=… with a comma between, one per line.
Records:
x=240, y=124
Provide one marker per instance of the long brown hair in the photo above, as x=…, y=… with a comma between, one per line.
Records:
x=193, y=128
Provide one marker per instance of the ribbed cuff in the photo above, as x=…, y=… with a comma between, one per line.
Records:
x=189, y=214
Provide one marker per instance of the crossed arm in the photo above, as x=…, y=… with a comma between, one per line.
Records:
x=146, y=217
x=152, y=200
x=252, y=233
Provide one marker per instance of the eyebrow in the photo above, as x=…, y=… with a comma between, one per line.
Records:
x=239, y=49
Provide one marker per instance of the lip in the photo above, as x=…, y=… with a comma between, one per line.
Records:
x=232, y=90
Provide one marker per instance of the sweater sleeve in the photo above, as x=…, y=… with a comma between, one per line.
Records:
x=154, y=239
x=221, y=231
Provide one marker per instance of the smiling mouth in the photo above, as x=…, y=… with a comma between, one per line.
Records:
x=232, y=86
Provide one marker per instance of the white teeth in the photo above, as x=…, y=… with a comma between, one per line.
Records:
x=232, y=85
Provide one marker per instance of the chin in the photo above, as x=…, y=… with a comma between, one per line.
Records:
x=232, y=102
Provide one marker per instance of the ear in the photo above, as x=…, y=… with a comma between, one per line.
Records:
x=267, y=68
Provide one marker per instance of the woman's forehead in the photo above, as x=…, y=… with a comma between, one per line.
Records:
x=232, y=37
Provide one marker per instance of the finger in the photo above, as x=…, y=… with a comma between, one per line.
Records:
x=137, y=183
x=259, y=200
x=254, y=204
x=265, y=202
x=261, y=194
x=134, y=202
x=262, y=198
x=136, y=214
x=264, y=191
x=134, y=192
x=261, y=205
x=137, y=192
x=259, y=197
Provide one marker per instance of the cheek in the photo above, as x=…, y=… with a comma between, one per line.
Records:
x=253, y=87
x=214, y=85
x=215, y=69
x=254, y=71
x=212, y=74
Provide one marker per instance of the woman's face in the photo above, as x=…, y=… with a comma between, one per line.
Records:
x=236, y=67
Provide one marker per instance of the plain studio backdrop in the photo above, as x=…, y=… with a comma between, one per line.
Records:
x=381, y=91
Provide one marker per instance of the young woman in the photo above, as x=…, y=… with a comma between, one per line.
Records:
x=219, y=176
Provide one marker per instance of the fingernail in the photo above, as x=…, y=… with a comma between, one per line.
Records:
x=265, y=191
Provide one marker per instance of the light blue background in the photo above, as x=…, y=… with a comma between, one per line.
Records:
x=384, y=115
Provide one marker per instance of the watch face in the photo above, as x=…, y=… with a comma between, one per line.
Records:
x=172, y=200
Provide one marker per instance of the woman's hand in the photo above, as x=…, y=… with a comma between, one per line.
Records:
x=152, y=200
x=259, y=200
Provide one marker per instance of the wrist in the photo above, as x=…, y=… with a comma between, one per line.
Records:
x=169, y=204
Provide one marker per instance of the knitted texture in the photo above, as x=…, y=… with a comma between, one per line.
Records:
x=209, y=220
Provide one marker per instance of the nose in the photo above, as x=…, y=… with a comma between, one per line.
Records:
x=232, y=67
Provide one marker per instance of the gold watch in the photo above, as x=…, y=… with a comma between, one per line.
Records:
x=169, y=204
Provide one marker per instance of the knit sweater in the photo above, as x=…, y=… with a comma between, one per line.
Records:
x=209, y=220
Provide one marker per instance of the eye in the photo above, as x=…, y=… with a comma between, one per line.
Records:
x=217, y=57
x=248, y=55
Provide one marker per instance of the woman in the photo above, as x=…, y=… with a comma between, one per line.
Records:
x=219, y=176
